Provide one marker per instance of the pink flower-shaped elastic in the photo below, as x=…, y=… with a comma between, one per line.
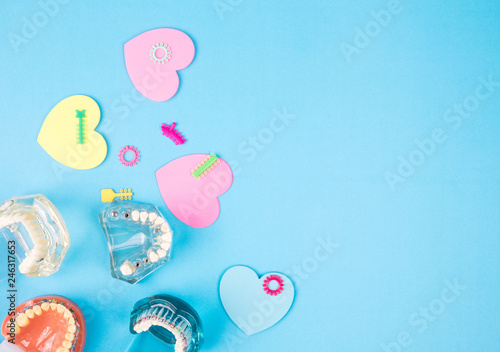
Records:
x=153, y=59
x=135, y=152
x=278, y=280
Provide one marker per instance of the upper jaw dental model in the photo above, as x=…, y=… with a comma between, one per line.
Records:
x=169, y=319
x=139, y=239
x=42, y=324
x=37, y=233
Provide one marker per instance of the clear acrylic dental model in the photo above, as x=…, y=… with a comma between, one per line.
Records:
x=36, y=232
x=170, y=321
x=139, y=239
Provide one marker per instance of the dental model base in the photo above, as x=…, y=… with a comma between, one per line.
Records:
x=169, y=319
x=37, y=231
x=139, y=239
x=48, y=323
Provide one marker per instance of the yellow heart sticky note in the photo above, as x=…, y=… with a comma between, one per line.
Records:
x=68, y=133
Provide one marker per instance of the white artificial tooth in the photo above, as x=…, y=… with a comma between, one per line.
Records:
x=38, y=238
x=17, y=217
x=37, y=310
x=40, y=241
x=71, y=321
x=165, y=245
x=161, y=253
x=32, y=258
x=69, y=336
x=30, y=313
x=159, y=220
x=45, y=306
x=72, y=328
x=31, y=223
x=25, y=268
x=30, y=219
x=165, y=228
x=67, y=314
x=144, y=216
x=38, y=252
x=167, y=237
x=153, y=257
x=35, y=233
x=22, y=320
x=67, y=344
x=152, y=216
x=62, y=349
x=60, y=308
x=135, y=215
x=127, y=268
x=29, y=263
x=31, y=226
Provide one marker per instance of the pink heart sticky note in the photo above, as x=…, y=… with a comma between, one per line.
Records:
x=194, y=201
x=153, y=59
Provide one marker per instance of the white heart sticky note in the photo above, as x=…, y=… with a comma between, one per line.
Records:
x=255, y=304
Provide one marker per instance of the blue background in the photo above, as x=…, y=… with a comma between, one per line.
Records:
x=323, y=176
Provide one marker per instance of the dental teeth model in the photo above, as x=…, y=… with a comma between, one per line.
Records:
x=139, y=239
x=169, y=319
x=48, y=323
x=38, y=233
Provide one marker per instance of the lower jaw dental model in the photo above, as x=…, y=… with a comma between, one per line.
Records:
x=139, y=239
x=42, y=324
x=36, y=232
x=167, y=320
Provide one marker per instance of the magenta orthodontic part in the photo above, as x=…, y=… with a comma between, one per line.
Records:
x=270, y=291
x=173, y=134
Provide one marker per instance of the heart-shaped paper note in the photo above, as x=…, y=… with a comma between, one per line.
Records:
x=68, y=133
x=48, y=323
x=194, y=201
x=153, y=59
x=253, y=303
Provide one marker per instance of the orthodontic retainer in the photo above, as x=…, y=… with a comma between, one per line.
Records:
x=169, y=319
